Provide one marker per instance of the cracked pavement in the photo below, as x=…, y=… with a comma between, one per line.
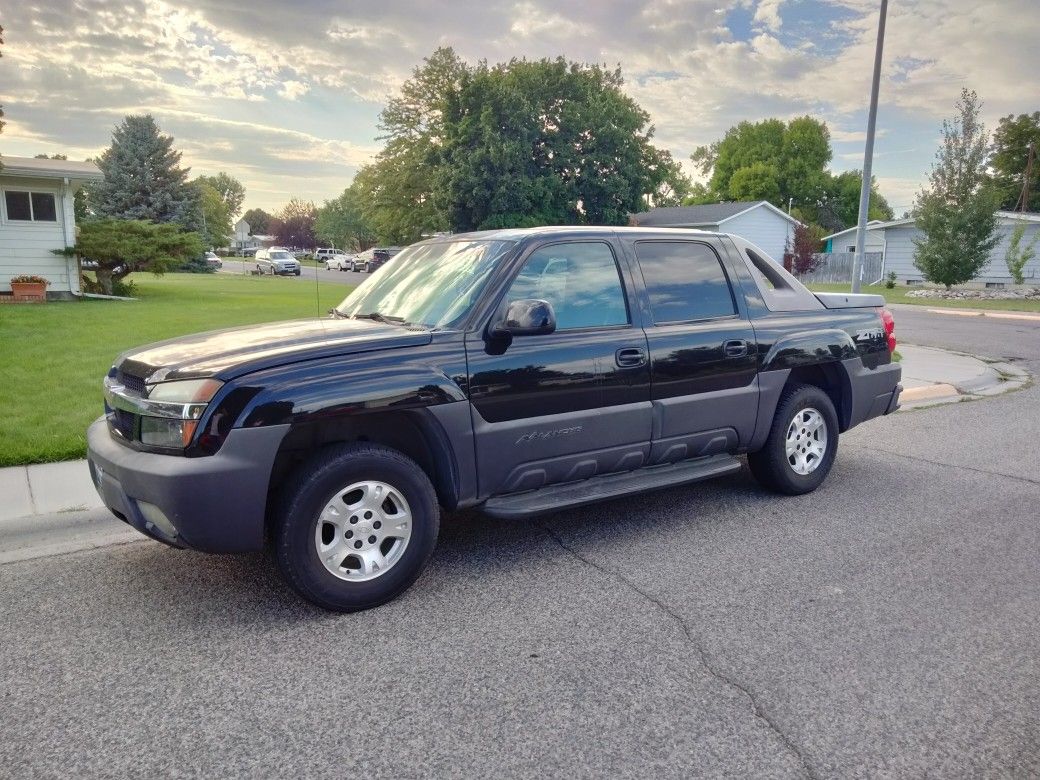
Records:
x=886, y=626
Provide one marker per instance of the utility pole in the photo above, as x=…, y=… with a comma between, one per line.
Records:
x=868, y=154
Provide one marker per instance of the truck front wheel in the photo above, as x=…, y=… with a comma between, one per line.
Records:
x=802, y=443
x=356, y=526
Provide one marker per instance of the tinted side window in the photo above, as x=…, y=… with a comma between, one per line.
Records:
x=685, y=281
x=580, y=280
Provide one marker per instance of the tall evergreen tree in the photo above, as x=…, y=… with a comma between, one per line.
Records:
x=956, y=212
x=143, y=177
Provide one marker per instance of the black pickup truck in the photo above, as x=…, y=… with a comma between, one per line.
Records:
x=518, y=371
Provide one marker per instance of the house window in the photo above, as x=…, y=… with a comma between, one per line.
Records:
x=26, y=206
x=995, y=285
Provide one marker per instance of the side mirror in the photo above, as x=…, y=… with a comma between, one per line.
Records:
x=529, y=317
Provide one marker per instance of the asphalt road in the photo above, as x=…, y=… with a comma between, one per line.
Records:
x=232, y=266
x=886, y=626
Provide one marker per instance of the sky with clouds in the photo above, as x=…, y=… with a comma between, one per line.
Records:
x=286, y=95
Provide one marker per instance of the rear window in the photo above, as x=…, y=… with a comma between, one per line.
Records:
x=685, y=281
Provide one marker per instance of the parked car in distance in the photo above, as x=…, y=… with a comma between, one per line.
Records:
x=538, y=370
x=334, y=259
x=277, y=260
x=379, y=257
x=213, y=260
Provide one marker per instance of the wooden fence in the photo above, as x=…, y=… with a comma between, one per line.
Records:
x=836, y=268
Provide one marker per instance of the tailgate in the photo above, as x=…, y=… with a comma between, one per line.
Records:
x=850, y=300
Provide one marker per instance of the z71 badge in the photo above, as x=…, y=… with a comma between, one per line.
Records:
x=870, y=334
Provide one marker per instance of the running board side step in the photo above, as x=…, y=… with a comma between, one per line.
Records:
x=574, y=494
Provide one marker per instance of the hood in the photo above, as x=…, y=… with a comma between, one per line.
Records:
x=226, y=354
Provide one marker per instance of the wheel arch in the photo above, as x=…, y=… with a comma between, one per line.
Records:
x=833, y=379
x=414, y=433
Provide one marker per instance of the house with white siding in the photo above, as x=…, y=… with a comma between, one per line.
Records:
x=845, y=240
x=759, y=222
x=37, y=217
x=896, y=240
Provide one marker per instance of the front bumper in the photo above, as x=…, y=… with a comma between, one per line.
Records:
x=213, y=504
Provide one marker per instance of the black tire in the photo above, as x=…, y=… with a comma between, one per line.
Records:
x=771, y=466
x=308, y=490
x=298, y=273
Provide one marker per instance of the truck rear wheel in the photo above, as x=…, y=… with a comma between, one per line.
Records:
x=356, y=527
x=802, y=443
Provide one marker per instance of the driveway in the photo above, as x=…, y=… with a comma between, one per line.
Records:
x=887, y=625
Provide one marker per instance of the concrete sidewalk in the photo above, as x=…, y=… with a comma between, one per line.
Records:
x=930, y=376
x=46, y=488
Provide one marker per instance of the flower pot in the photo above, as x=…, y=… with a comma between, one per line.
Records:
x=29, y=291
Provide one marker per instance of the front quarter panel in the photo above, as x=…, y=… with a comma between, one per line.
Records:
x=395, y=379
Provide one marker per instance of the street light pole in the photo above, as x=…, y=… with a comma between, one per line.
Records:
x=868, y=154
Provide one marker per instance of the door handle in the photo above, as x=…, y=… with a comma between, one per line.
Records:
x=630, y=358
x=735, y=348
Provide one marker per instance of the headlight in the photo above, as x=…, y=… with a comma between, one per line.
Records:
x=178, y=407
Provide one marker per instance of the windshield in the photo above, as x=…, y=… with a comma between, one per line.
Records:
x=280, y=255
x=429, y=284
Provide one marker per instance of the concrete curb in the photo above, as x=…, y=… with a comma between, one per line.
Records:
x=994, y=313
x=928, y=393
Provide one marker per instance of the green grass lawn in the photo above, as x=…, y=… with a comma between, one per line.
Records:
x=54, y=356
x=898, y=295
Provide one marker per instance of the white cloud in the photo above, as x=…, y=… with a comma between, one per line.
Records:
x=271, y=87
x=768, y=14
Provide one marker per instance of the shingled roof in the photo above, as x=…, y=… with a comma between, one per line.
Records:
x=703, y=215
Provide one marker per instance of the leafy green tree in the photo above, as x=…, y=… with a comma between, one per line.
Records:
x=698, y=194
x=212, y=220
x=1009, y=158
x=398, y=192
x=122, y=246
x=259, y=221
x=143, y=177
x=293, y=226
x=342, y=222
x=758, y=181
x=783, y=163
x=1017, y=256
x=550, y=142
x=839, y=207
x=956, y=212
x=230, y=190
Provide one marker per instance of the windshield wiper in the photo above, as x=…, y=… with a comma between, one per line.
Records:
x=338, y=314
x=374, y=315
